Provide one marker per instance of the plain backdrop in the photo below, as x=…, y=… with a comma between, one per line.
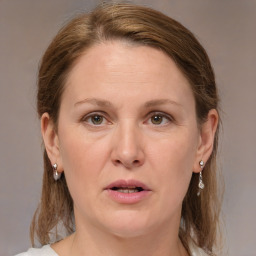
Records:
x=226, y=28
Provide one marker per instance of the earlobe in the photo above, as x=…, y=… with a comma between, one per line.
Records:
x=206, y=140
x=51, y=140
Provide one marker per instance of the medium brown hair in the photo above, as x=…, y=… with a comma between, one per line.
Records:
x=143, y=26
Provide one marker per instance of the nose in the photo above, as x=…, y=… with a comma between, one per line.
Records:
x=127, y=147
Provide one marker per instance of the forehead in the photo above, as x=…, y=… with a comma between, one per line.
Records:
x=120, y=68
x=124, y=55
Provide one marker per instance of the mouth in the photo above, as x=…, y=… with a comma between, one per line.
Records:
x=127, y=186
x=128, y=192
x=127, y=189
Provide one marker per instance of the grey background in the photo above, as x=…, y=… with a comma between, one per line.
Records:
x=227, y=30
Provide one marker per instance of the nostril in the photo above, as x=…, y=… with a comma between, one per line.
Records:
x=127, y=163
x=134, y=162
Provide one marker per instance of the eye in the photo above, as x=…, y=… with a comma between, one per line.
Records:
x=159, y=119
x=95, y=119
x=156, y=119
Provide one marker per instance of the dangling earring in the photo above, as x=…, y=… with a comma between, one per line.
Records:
x=56, y=174
x=200, y=184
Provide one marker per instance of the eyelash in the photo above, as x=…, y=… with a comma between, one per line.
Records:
x=94, y=114
x=149, y=117
x=162, y=115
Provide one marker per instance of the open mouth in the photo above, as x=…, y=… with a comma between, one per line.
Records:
x=127, y=189
x=127, y=186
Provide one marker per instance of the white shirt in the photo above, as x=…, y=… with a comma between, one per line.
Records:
x=48, y=251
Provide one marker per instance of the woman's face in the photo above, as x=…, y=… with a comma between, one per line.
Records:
x=127, y=139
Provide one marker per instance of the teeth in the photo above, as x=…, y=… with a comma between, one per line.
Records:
x=129, y=190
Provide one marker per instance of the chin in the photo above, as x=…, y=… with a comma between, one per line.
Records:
x=125, y=232
x=129, y=224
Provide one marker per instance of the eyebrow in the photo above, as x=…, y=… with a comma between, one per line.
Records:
x=94, y=101
x=153, y=103
x=106, y=103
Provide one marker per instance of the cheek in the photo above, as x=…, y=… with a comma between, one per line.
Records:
x=176, y=153
x=173, y=162
x=78, y=150
x=83, y=160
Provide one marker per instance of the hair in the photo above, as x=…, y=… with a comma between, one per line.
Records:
x=142, y=26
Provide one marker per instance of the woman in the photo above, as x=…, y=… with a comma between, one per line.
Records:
x=129, y=118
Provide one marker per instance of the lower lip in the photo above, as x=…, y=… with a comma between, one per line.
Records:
x=127, y=198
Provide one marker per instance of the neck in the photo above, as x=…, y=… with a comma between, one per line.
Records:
x=91, y=240
x=161, y=242
x=116, y=246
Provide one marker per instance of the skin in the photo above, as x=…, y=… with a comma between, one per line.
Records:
x=145, y=129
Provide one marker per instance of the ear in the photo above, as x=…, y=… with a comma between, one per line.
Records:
x=206, y=139
x=51, y=140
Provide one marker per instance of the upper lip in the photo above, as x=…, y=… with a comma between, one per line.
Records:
x=128, y=184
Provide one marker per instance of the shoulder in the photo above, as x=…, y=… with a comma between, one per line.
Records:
x=44, y=251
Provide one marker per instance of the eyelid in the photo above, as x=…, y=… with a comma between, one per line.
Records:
x=160, y=113
x=107, y=118
x=95, y=113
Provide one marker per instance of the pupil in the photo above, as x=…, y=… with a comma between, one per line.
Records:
x=97, y=119
x=156, y=119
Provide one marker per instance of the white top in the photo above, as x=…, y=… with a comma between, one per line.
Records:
x=48, y=251
x=44, y=251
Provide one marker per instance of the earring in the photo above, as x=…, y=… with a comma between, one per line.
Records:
x=200, y=184
x=56, y=175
